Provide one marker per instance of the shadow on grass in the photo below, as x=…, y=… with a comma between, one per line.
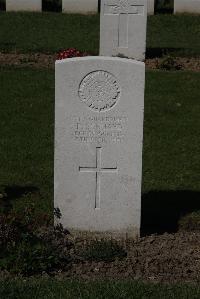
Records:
x=99, y=6
x=52, y=5
x=164, y=7
x=162, y=210
x=2, y=5
x=167, y=10
x=160, y=52
x=11, y=193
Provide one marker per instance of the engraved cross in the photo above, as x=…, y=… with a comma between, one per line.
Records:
x=98, y=170
x=123, y=8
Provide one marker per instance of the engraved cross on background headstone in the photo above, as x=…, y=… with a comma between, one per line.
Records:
x=98, y=170
x=123, y=8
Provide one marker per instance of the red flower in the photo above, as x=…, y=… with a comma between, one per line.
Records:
x=70, y=53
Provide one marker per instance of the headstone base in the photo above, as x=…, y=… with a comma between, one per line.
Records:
x=24, y=5
x=80, y=6
x=187, y=6
x=117, y=236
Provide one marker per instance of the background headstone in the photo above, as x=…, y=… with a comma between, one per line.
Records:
x=123, y=28
x=187, y=6
x=80, y=6
x=150, y=7
x=24, y=5
x=98, y=144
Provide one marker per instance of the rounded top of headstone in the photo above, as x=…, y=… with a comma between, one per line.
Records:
x=99, y=90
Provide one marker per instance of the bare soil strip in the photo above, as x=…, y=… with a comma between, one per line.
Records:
x=156, y=258
x=39, y=60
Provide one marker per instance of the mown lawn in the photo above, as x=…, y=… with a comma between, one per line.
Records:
x=66, y=289
x=26, y=127
x=171, y=131
x=171, y=134
x=50, y=32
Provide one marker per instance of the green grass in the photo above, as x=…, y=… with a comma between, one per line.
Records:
x=26, y=128
x=65, y=289
x=171, y=131
x=49, y=32
x=180, y=34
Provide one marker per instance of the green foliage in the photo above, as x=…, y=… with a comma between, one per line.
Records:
x=29, y=245
x=103, y=251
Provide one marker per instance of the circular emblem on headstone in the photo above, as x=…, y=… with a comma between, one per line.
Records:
x=99, y=90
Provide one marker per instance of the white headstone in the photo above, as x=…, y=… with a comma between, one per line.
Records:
x=123, y=28
x=98, y=144
x=150, y=7
x=24, y=5
x=187, y=6
x=80, y=6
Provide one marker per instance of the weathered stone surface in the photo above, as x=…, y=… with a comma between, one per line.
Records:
x=98, y=144
x=80, y=6
x=187, y=6
x=123, y=28
x=23, y=5
x=150, y=7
